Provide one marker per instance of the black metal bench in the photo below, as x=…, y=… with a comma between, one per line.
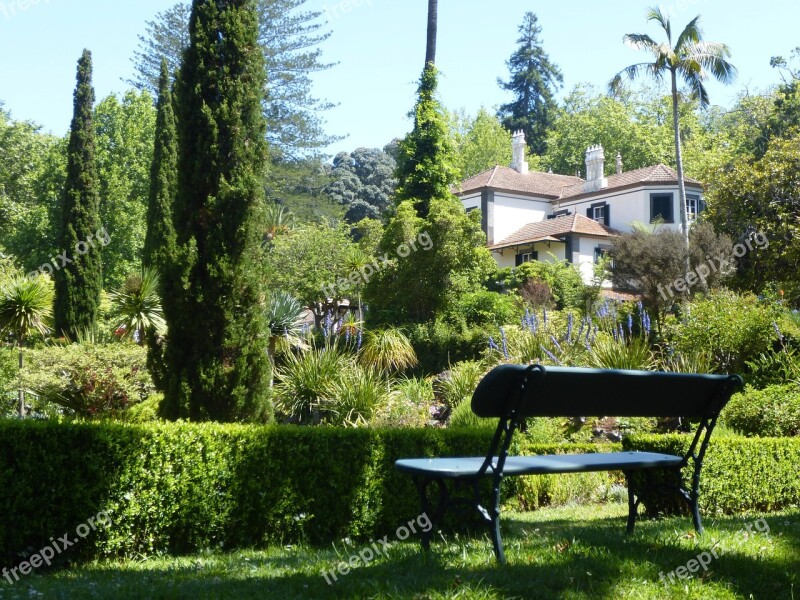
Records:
x=515, y=392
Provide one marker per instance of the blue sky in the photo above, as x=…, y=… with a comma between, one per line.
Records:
x=379, y=46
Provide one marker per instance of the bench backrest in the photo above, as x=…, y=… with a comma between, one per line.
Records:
x=581, y=392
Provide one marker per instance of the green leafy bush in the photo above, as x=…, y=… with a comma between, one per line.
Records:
x=439, y=344
x=460, y=382
x=563, y=279
x=733, y=328
x=739, y=474
x=488, y=308
x=183, y=487
x=89, y=380
x=611, y=353
x=773, y=411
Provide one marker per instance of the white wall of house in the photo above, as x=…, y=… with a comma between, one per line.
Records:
x=583, y=256
x=513, y=212
x=508, y=257
x=473, y=201
x=631, y=206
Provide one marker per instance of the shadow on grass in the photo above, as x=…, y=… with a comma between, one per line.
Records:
x=559, y=558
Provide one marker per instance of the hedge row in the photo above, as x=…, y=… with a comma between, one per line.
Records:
x=739, y=474
x=182, y=487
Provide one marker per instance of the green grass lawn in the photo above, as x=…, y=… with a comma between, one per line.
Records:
x=570, y=553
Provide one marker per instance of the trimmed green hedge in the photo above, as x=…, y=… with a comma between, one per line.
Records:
x=739, y=474
x=181, y=487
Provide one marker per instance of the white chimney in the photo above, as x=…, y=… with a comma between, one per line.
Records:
x=619, y=163
x=595, y=163
x=518, y=162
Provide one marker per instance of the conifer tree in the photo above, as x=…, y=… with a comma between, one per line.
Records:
x=159, y=241
x=216, y=353
x=78, y=269
x=534, y=82
x=426, y=157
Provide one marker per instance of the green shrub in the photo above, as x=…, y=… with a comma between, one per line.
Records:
x=739, y=474
x=358, y=395
x=439, y=344
x=460, y=382
x=462, y=416
x=562, y=277
x=774, y=367
x=773, y=411
x=407, y=406
x=181, y=488
x=610, y=353
x=733, y=328
x=488, y=308
x=89, y=380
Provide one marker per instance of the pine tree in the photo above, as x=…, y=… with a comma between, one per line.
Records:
x=534, y=82
x=426, y=157
x=159, y=242
x=78, y=270
x=216, y=353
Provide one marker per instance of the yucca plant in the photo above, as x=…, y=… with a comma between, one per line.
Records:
x=461, y=382
x=617, y=353
x=137, y=306
x=26, y=305
x=388, y=350
x=689, y=362
x=284, y=316
x=309, y=382
x=358, y=395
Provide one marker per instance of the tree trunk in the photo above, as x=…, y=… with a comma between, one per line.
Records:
x=271, y=352
x=21, y=387
x=433, y=16
x=681, y=183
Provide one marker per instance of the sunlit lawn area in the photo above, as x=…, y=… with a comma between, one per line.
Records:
x=569, y=552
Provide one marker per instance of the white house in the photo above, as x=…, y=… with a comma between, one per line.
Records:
x=527, y=215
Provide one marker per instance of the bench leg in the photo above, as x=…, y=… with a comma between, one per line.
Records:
x=497, y=541
x=695, y=508
x=434, y=516
x=633, y=505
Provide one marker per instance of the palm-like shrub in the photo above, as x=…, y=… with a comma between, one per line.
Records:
x=618, y=353
x=461, y=382
x=284, y=316
x=357, y=396
x=137, y=305
x=309, y=382
x=688, y=362
x=388, y=350
x=26, y=305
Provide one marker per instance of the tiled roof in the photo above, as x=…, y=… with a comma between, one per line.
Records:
x=549, y=228
x=655, y=174
x=565, y=187
x=546, y=185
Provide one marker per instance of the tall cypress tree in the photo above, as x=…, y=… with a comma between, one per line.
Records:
x=534, y=83
x=159, y=241
x=426, y=157
x=216, y=354
x=78, y=273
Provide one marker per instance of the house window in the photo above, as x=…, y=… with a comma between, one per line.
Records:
x=524, y=257
x=600, y=212
x=661, y=208
x=559, y=213
x=694, y=206
x=471, y=208
x=599, y=253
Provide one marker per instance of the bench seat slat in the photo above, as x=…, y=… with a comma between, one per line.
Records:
x=466, y=467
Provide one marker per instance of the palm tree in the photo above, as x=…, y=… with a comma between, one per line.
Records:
x=137, y=305
x=284, y=318
x=433, y=18
x=277, y=221
x=354, y=261
x=26, y=304
x=690, y=59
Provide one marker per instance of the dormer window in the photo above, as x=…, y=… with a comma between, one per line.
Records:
x=600, y=212
x=661, y=208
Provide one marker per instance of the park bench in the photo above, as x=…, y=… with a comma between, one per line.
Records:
x=515, y=392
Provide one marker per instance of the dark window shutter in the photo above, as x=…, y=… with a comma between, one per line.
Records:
x=518, y=260
x=535, y=255
x=590, y=212
x=607, y=215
